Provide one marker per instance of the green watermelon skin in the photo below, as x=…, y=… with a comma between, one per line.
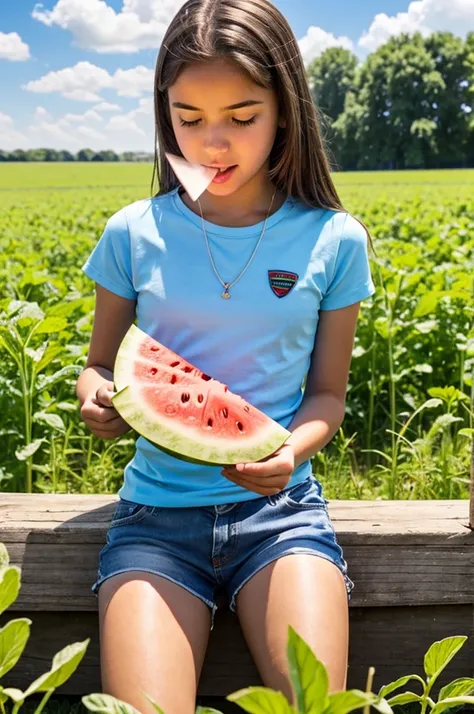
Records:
x=183, y=411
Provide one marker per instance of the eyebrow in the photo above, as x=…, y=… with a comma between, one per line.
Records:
x=247, y=103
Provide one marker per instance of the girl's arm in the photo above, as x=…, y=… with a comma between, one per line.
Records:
x=322, y=410
x=112, y=318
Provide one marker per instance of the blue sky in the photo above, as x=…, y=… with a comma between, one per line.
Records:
x=76, y=73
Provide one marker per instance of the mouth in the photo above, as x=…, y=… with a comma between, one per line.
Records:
x=222, y=169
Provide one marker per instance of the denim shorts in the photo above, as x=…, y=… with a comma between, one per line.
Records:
x=210, y=548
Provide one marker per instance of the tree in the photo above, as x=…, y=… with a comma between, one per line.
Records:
x=450, y=55
x=85, y=155
x=331, y=76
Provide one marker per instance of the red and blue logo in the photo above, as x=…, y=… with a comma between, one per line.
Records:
x=282, y=282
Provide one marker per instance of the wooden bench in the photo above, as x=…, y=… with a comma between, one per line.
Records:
x=412, y=563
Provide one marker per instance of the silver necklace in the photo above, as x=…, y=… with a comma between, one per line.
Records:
x=226, y=293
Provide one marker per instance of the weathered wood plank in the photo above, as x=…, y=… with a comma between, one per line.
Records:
x=399, y=553
x=65, y=512
x=393, y=640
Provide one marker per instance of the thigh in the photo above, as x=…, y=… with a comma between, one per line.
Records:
x=307, y=592
x=153, y=637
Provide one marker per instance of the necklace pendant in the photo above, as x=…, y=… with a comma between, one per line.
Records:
x=226, y=294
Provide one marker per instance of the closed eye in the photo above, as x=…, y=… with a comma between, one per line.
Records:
x=239, y=123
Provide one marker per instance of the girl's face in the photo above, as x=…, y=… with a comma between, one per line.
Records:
x=211, y=133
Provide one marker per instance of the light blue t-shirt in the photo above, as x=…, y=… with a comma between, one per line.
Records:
x=259, y=342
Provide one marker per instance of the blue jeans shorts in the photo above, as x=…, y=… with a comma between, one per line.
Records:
x=209, y=548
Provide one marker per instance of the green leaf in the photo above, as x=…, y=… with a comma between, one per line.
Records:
x=308, y=675
x=13, y=639
x=261, y=700
x=441, y=653
x=16, y=695
x=154, y=704
x=387, y=688
x=52, y=420
x=427, y=304
x=3, y=696
x=50, y=325
x=52, y=351
x=9, y=587
x=28, y=450
x=43, y=382
x=343, y=702
x=451, y=702
x=464, y=685
x=4, y=557
x=10, y=342
x=65, y=662
x=107, y=704
x=404, y=698
x=207, y=710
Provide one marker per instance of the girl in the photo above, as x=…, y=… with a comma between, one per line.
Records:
x=271, y=237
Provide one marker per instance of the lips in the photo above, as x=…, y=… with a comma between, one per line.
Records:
x=222, y=168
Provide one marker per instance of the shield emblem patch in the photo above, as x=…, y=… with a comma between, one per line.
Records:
x=281, y=281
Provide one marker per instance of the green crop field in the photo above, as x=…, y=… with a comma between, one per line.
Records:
x=409, y=418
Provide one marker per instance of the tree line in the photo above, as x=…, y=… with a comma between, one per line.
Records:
x=82, y=155
x=409, y=104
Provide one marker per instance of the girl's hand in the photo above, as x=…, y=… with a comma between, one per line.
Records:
x=100, y=415
x=268, y=476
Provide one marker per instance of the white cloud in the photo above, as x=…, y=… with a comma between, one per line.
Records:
x=81, y=118
x=133, y=82
x=317, y=40
x=10, y=138
x=41, y=114
x=13, y=48
x=107, y=107
x=424, y=16
x=96, y=26
x=131, y=131
x=83, y=82
x=80, y=95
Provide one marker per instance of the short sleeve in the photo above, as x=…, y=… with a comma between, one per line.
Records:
x=352, y=279
x=110, y=263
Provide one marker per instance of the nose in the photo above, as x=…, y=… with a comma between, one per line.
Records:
x=215, y=146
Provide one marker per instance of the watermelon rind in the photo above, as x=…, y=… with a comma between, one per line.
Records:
x=171, y=440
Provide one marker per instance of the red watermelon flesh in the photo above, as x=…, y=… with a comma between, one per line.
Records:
x=184, y=411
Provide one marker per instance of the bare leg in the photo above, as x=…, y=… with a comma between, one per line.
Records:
x=308, y=593
x=153, y=637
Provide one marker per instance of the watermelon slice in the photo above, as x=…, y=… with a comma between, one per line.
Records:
x=185, y=412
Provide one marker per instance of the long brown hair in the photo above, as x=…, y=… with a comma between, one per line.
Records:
x=257, y=37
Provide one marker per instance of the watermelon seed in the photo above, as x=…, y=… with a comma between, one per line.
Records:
x=153, y=371
x=200, y=398
x=174, y=364
x=246, y=408
x=239, y=426
x=154, y=348
x=185, y=397
x=187, y=369
x=174, y=379
x=225, y=412
x=205, y=377
x=209, y=422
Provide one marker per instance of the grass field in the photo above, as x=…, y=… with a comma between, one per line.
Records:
x=409, y=418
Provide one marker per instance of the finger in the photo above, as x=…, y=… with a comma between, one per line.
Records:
x=106, y=426
x=105, y=399
x=269, y=488
x=260, y=469
x=102, y=414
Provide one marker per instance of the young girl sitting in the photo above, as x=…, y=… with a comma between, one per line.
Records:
x=258, y=283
